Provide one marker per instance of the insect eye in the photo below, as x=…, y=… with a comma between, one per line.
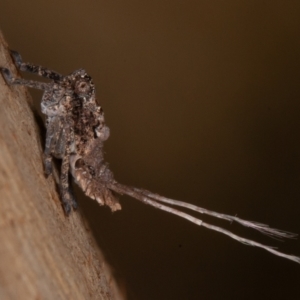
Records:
x=82, y=87
x=79, y=163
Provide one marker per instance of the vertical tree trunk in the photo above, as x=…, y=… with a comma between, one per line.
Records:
x=43, y=253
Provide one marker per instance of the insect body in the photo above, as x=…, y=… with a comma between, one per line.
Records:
x=76, y=131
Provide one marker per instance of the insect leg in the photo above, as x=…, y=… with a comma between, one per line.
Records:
x=72, y=197
x=65, y=187
x=69, y=140
x=39, y=70
x=50, y=134
x=17, y=81
x=64, y=184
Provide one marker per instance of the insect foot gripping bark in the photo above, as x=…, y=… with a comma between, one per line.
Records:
x=75, y=134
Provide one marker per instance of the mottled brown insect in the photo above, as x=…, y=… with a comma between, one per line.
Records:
x=76, y=131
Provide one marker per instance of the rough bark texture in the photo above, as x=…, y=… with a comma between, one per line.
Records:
x=43, y=253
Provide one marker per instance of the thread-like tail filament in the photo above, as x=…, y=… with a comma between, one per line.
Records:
x=156, y=200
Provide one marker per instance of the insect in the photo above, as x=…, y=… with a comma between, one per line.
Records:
x=75, y=133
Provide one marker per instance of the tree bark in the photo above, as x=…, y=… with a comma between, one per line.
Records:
x=43, y=253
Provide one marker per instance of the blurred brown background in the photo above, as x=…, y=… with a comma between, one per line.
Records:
x=203, y=102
